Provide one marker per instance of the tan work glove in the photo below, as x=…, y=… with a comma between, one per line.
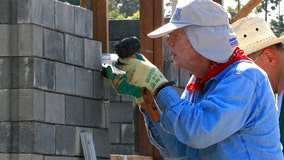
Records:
x=121, y=86
x=142, y=73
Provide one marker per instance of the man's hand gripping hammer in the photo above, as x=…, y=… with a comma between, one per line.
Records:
x=127, y=47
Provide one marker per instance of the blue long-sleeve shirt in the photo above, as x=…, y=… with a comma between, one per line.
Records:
x=233, y=117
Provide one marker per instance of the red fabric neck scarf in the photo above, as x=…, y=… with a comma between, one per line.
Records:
x=216, y=68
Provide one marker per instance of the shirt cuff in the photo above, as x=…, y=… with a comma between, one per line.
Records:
x=166, y=97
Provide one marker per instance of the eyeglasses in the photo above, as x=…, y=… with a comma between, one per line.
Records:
x=258, y=56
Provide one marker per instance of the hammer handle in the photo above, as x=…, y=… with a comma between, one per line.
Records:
x=150, y=104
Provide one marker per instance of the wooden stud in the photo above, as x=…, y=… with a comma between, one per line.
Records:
x=100, y=23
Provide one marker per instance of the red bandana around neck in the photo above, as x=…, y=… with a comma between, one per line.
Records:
x=216, y=68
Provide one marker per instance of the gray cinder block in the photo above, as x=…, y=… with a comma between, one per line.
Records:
x=36, y=11
x=113, y=95
x=123, y=149
x=90, y=110
x=27, y=157
x=92, y=54
x=5, y=72
x=101, y=142
x=84, y=82
x=121, y=108
x=100, y=86
x=5, y=136
x=64, y=17
x=127, y=133
x=114, y=133
x=96, y=113
x=65, y=78
x=5, y=105
x=74, y=110
x=8, y=11
x=55, y=108
x=44, y=138
x=5, y=156
x=127, y=98
x=83, y=22
x=31, y=104
x=62, y=158
x=53, y=45
x=44, y=74
x=22, y=72
x=8, y=39
x=126, y=28
x=30, y=40
x=65, y=140
x=74, y=49
x=32, y=137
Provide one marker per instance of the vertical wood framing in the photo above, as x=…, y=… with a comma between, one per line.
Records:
x=100, y=23
x=146, y=25
x=158, y=42
x=151, y=17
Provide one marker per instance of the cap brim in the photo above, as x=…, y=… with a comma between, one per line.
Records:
x=165, y=29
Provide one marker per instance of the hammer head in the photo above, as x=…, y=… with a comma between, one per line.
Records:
x=127, y=47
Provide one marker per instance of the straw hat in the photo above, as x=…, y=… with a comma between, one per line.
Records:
x=207, y=27
x=254, y=34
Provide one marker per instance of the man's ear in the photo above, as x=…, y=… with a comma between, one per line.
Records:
x=271, y=56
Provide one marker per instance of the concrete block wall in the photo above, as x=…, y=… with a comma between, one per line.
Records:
x=122, y=108
x=119, y=29
x=51, y=88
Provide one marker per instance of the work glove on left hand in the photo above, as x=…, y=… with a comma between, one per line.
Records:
x=141, y=73
x=119, y=83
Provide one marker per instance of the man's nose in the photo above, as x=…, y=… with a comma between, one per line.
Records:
x=169, y=42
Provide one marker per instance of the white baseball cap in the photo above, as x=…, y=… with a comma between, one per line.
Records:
x=254, y=34
x=207, y=27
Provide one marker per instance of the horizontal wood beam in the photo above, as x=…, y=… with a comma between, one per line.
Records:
x=245, y=10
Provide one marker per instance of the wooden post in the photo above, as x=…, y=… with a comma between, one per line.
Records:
x=100, y=23
x=151, y=17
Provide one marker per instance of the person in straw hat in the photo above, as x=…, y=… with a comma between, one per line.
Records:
x=227, y=110
x=260, y=44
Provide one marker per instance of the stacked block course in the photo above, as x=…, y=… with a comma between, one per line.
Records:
x=51, y=88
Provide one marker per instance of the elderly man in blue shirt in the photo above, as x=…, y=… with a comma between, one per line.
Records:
x=227, y=111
